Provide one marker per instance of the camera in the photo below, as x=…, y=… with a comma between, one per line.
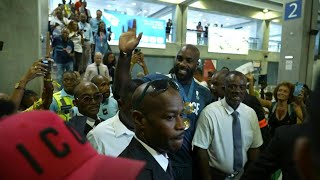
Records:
x=49, y=63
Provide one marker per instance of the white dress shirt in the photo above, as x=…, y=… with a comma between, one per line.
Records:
x=214, y=133
x=110, y=137
x=92, y=71
x=162, y=159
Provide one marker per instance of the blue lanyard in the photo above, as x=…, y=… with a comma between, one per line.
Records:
x=183, y=93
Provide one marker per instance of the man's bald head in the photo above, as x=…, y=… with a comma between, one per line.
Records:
x=82, y=87
x=98, y=58
x=193, y=48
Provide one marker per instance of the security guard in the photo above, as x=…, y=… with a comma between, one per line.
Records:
x=62, y=101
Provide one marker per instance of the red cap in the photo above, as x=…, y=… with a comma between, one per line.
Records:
x=39, y=145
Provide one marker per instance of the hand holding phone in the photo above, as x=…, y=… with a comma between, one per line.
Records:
x=298, y=88
x=48, y=62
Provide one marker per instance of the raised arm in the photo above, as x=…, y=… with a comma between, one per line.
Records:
x=37, y=69
x=127, y=43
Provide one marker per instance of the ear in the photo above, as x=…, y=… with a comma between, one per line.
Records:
x=138, y=119
x=120, y=104
x=74, y=102
x=303, y=158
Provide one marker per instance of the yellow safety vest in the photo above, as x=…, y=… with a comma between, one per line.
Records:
x=64, y=105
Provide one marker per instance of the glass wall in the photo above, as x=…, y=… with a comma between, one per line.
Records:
x=199, y=21
x=275, y=37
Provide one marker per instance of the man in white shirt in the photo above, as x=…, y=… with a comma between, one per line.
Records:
x=159, y=127
x=87, y=98
x=96, y=68
x=112, y=136
x=58, y=23
x=228, y=134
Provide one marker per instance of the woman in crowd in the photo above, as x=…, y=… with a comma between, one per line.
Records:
x=284, y=111
x=101, y=39
x=110, y=60
x=77, y=39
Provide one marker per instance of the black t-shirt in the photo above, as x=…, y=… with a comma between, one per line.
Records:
x=254, y=103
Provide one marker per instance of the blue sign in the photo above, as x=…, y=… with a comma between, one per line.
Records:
x=154, y=30
x=293, y=10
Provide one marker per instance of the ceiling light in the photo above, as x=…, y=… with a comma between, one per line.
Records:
x=265, y=10
x=133, y=4
x=198, y=4
x=173, y=1
x=109, y=6
x=204, y=20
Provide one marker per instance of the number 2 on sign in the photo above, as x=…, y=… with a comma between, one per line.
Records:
x=293, y=14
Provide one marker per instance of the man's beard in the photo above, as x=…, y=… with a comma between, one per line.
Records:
x=187, y=76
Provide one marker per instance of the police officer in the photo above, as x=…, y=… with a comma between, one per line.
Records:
x=62, y=101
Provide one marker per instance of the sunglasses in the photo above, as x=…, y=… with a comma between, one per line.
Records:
x=88, y=99
x=157, y=87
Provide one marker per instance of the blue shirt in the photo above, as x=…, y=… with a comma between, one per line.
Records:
x=60, y=55
x=94, y=23
x=101, y=43
x=108, y=109
x=201, y=97
x=54, y=104
x=87, y=31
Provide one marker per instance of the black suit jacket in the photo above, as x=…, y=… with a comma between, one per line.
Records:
x=152, y=170
x=278, y=155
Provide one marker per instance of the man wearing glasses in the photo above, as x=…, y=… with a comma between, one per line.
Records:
x=195, y=97
x=87, y=98
x=160, y=125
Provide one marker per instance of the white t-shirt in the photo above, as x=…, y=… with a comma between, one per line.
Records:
x=214, y=133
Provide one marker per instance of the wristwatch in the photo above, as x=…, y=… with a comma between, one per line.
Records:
x=17, y=86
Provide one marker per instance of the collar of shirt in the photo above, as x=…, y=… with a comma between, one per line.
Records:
x=228, y=108
x=162, y=159
x=120, y=128
x=64, y=93
x=90, y=121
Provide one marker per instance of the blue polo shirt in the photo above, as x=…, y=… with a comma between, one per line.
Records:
x=61, y=56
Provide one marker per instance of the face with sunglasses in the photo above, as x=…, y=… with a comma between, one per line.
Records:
x=158, y=115
x=88, y=99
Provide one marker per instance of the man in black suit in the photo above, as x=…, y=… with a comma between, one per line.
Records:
x=278, y=155
x=87, y=98
x=159, y=127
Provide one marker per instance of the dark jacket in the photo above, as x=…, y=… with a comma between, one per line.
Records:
x=152, y=170
x=278, y=155
x=79, y=123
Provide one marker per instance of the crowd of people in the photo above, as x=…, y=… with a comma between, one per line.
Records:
x=170, y=126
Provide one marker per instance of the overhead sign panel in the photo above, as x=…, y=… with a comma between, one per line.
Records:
x=293, y=10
